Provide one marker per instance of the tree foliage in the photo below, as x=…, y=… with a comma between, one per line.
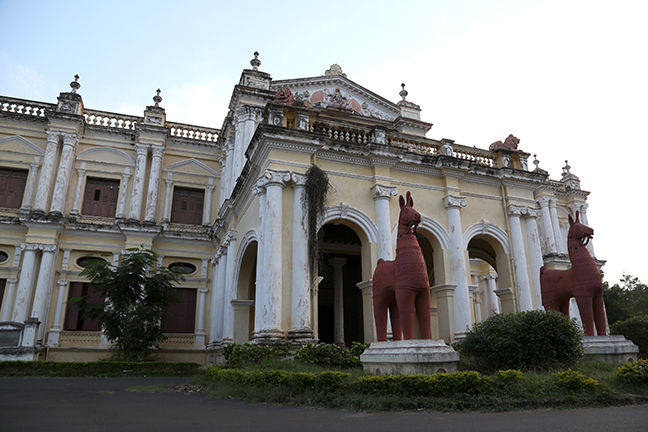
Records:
x=626, y=299
x=137, y=296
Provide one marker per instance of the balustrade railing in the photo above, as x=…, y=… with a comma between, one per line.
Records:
x=476, y=155
x=180, y=130
x=175, y=340
x=79, y=338
x=414, y=146
x=26, y=107
x=342, y=134
x=111, y=120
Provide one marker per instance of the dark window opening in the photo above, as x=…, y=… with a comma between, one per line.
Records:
x=182, y=268
x=100, y=197
x=75, y=319
x=12, y=187
x=180, y=317
x=187, y=206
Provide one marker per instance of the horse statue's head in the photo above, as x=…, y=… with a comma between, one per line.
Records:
x=409, y=218
x=579, y=231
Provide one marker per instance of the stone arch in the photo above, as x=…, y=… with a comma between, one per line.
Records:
x=486, y=228
x=123, y=155
x=245, y=280
x=344, y=212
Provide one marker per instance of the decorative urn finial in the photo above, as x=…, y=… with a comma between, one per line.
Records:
x=157, y=98
x=255, y=62
x=75, y=84
x=403, y=92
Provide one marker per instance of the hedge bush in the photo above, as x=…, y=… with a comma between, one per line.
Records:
x=248, y=354
x=323, y=381
x=634, y=372
x=575, y=381
x=635, y=329
x=96, y=369
x=534, y=340
x=332, y=356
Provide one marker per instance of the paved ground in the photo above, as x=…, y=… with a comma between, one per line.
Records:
x=104, y=404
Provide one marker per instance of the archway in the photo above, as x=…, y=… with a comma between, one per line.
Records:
x=339, y=303
x=245, y=294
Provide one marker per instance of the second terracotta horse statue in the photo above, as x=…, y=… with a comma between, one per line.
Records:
x=401, y=285
x=583, y=281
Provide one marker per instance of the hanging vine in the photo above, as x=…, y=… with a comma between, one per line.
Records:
x=318, y=188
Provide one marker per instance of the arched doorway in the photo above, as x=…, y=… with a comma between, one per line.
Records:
x=339, y=302
x=246, y=295
x=483, y=277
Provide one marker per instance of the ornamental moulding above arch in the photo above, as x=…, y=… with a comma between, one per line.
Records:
x=25, y=146
x=85, y=155
x=346, y=212
x=486, y=228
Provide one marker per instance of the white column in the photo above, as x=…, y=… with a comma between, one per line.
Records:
x=271, y=308
x=43, y=290
x=547, y=228
x=519, y=258
x=458, y=264
x=222, y=162
x=239, y=143
x=9, y=299
x=338, y=299
x=300, y=314
x=259, y=299
x=77, y=192
x=208, y=205
x=123, y=190
x=491, y=278
x=31, y=186
x=55, y=331
x=153, y=185
x=584, y=221
x=47, y=172
x=200, y=332
x=68, y=154
x=535, y=255
x=382, y=195
x=230, y=289
x=25, y=282
x=137, y=193
x=560, y=244
x=217, y=297
x=167, y=200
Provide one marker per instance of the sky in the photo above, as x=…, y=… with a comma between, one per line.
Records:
x=569, y=78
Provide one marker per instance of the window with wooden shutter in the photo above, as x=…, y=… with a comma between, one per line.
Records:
x=181, y=317
x=74, y=319
x=12, y=187
x=187, y=206
x=100, y=198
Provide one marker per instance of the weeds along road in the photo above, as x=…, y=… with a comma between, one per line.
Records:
x=105, y=404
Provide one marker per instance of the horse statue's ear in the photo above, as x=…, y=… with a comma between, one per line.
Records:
x=401, y=201
x=571, y=221
x=410, y=200
x=577, y=216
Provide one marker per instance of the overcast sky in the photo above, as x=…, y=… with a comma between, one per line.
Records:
x=569, y=78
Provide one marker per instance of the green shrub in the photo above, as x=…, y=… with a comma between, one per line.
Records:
x=248, y=354
x=575, y=381
x=634, y=372
x=635, y=329
x=328, y=381
x=534, y=340
x=329, y=355
x=96, y=369
x=468, y=382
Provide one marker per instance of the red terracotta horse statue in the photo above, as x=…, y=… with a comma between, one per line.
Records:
x=402, y=284
x=583, y=281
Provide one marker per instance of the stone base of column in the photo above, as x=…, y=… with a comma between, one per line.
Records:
x=417, y=356
x=556, y=261
x=53, y=337
x=269, y=337
x=133, y=222
x=148, y=223
x=301, y=336
x=614, y=349
x=200, y=340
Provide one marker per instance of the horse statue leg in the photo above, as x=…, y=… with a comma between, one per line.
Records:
x=600, y=318
x=423, y=314
x=397, y=329
x=586, y=309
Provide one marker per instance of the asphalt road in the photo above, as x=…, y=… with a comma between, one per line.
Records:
x=105, y=404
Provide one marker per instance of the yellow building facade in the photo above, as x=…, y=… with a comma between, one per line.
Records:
x=226, y=207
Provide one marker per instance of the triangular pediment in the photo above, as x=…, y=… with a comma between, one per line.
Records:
x=191, y=166
x=20, y=145
x=339, y=92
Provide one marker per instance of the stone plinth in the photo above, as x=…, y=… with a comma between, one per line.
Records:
x=18, y=341
x=418, y=356
x=610, y=349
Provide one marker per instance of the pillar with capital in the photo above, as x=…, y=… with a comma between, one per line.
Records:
x=68, y=153
x=47, y=172
x=461, y=295
x=167, y=200
x=44, y=284
x=519, y=257
x=535, y=254
x=268, y=309
x=77, y=192
x=338, y=299
x=229, y=288
x=382, y=195
x=137, y=194
x=9, y=299
x=55, y=331
x=200, y=331
x=123, y=188
x=31, y=186
x=300, y=311
x=153, y=185
x=25, y=282
x=549, y=240
x=560, y=243
x=207, y=206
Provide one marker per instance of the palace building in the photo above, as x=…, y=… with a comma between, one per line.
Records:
x=226, y=207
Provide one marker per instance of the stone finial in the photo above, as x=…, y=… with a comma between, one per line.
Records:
x=403, y=93
x=566, y=169
x=75, y=84
x=255, y=62
x=335, y=69
x=157, y=98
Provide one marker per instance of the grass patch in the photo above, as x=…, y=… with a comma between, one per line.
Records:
x=96, y=369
